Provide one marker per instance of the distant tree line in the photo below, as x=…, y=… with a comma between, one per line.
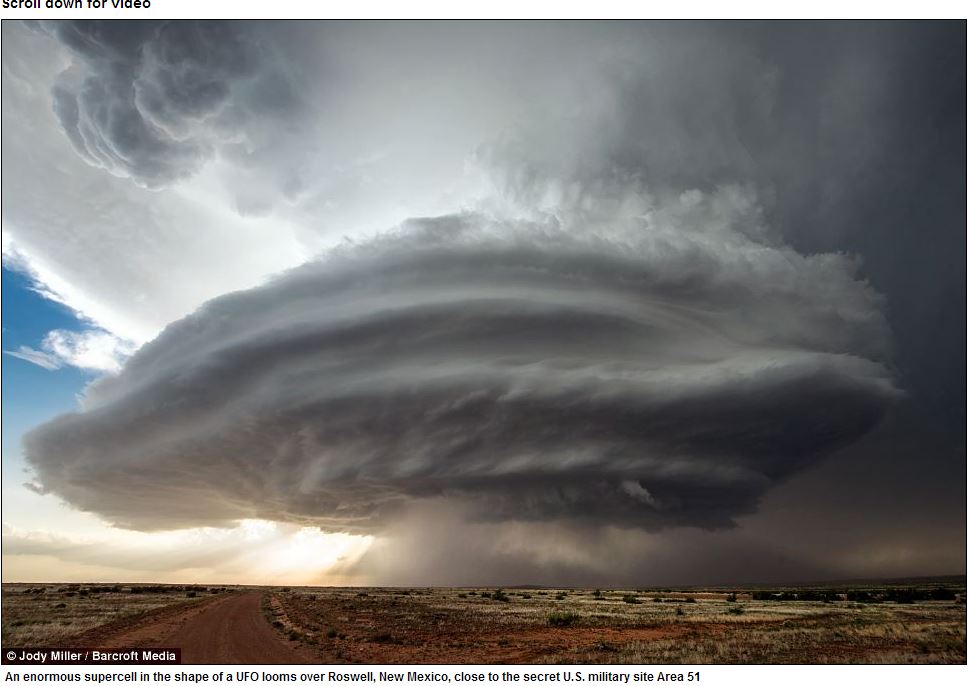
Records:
x=77, y=589
x=884, y=595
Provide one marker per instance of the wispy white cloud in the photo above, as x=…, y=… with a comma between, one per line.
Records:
x=37, y=357
x=92, y=350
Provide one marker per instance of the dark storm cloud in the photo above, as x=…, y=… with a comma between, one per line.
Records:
x=652, y=371
x=853, y=135
x=154, y=101
x=867, y=155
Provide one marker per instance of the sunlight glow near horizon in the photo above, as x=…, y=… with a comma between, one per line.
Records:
x=257, y=552
x=305, y=556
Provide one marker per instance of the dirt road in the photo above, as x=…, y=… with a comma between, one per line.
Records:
x=228, y=630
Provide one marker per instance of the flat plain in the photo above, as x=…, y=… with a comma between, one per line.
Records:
x=915, y=622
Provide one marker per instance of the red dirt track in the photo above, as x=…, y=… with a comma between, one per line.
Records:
x=228, y=630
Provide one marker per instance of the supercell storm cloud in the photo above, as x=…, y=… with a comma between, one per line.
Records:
x=550, y=302
x=652, y=363
x=599, y=303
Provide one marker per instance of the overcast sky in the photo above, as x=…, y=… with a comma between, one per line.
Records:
x=564, y=303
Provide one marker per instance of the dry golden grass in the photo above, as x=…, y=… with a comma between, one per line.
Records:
x=37, y=615
x=614, y=627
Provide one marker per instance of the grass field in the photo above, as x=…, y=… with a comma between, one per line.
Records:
x=38, y=615
x=895, y=624
x=625, y=626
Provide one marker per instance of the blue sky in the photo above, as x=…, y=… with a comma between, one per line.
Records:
x=32, y=394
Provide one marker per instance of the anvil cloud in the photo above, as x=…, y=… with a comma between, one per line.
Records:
x=659, y=364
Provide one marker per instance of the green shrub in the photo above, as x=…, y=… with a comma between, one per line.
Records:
x=562, y=618
x=942, y=594
x=631, y=599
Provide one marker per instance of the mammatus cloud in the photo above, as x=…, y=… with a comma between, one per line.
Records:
x=650, y=364
x=154, y=101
